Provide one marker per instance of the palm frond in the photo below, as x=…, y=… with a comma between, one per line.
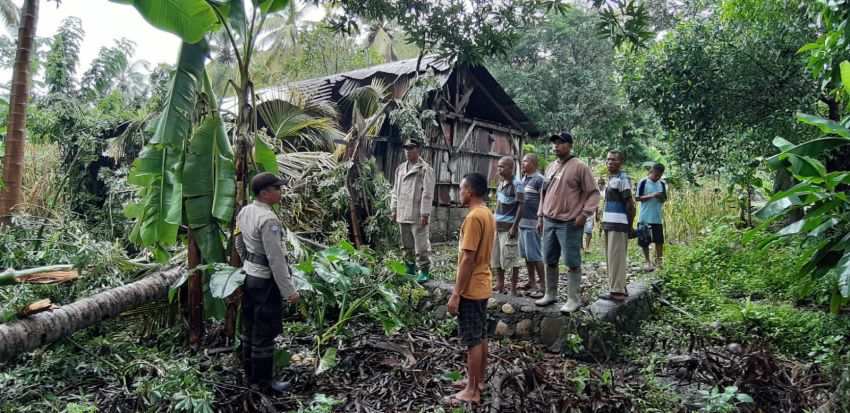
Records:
x=299, y=124
x=295, y=166
x=367, y=99
x=10, y=16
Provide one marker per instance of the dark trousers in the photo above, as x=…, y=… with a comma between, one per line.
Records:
x=262, y=321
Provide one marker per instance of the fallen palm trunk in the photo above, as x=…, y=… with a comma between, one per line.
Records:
x=40, y=275
x=23, y=335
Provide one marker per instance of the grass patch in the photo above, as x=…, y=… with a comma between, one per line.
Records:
x=754, y=294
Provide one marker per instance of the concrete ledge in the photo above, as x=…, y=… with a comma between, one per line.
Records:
x=589, y=332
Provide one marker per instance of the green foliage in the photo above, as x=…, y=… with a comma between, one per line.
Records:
x=563, y=76
x=160, y=209
x=321, y=404
x=298, y=123
x=62, y=239
x=344, y=281
x=753, y=294
x=189, y=19
x=317, y=52
x=724, y=84
x=828, y=53
x=375, y=189
x=64, y=55
x=153, y=373
x=822, y=200
x=724, y=402
x=106, y=68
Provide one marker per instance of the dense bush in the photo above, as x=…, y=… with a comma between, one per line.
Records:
x=754, y=294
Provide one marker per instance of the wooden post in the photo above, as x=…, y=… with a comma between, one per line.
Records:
x=196, y=293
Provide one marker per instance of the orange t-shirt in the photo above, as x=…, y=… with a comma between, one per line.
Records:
x=476, y=234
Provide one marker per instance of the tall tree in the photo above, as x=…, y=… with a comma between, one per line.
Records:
x=562, y=74
x=13, y=160
x=727, y=81
x=64, y=56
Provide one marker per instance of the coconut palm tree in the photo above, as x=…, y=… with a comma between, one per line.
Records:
x=131, y=81
x=380, y=38
x=13, y=159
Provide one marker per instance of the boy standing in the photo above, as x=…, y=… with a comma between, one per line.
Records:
x=509, y=210
x=651, y=193
x=473, y=286
x=617, y=219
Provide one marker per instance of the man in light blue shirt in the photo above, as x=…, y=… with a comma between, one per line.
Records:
x=651, y=193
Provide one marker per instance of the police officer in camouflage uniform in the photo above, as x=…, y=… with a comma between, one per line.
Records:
x=259, y=242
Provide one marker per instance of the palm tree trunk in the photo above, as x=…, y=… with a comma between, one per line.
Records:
x=13, y=161
x=26, y=334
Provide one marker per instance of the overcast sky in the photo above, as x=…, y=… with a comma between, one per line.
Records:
x=104, y=22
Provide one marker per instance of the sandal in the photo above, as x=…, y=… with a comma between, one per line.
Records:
x=454, y=401
x=612, y=296
x=461, y=384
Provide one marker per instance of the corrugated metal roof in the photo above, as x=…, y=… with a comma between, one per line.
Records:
x=335, y=86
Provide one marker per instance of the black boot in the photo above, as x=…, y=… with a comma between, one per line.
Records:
x=263, y=377
x=245, y=358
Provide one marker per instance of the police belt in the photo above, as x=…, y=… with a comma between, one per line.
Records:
x=258, y=259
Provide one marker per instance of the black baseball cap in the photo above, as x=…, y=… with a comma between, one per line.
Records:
x=410, y=142
x=562, y=136
x=265, y=179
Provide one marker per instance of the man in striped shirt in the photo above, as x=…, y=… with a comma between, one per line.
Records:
x=509, y=207
x=617, y=219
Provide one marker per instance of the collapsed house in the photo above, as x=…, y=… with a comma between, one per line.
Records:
x=478, y=124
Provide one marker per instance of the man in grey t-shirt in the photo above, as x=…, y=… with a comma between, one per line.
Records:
x=529, y=238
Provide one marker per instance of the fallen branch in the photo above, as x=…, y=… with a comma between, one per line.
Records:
x=51, y=274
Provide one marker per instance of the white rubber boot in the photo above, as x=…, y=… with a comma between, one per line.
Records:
x=573, y=288
x=551, y=295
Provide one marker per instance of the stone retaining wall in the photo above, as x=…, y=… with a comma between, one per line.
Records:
x=589, y=332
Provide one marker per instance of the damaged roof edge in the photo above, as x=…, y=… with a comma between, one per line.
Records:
x=322, y=88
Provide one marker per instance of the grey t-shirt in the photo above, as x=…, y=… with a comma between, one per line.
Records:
x=533, y=185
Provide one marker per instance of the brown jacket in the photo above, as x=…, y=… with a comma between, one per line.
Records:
x=413, y=192
x=570, y=191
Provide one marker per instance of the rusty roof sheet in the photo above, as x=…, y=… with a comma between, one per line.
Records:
x=335, y=86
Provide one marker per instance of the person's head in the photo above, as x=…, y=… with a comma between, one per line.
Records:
x=614, y=161
x=412, y=150
x=266, y=187
x=529, y=163
x=600, y=183
x=473, y=187
x=656, y=172
x=562, y=144
x=506, y=167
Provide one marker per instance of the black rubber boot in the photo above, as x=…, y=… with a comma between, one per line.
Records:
x=245, y=357
x=264, y=373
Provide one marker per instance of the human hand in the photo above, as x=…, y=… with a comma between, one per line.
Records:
x=423, y=221
x=394, y=216
x=512, y=233
x=539, y=227
x=454, y=303
x=294, y=298
x=580, y=221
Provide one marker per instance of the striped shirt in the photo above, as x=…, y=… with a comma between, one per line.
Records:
x=508, y=198
x=618, y=191
x=532, y=186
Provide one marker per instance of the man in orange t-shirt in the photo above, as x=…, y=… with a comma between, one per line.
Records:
x=473, y=287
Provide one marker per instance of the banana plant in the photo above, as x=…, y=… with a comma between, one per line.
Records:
x=193, y=176
x=821, y=197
